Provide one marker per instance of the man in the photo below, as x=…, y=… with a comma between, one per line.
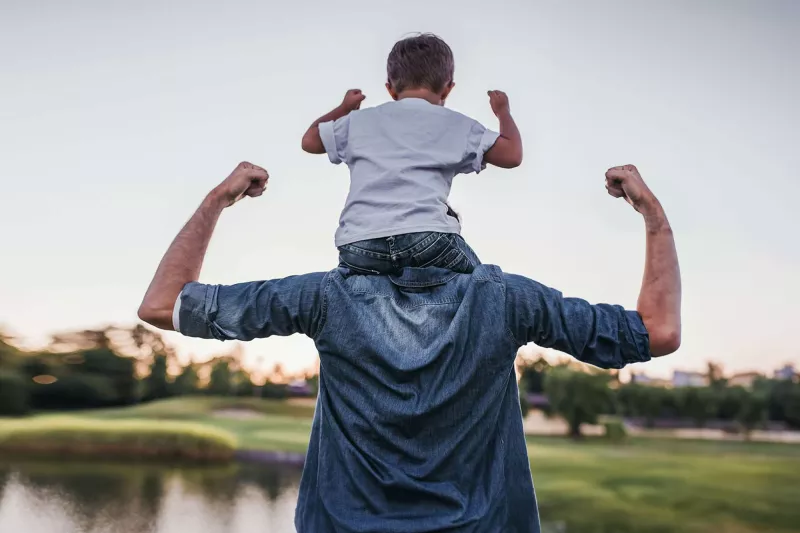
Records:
x=418, y=427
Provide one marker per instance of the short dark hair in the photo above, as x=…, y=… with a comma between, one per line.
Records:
x=420, y=61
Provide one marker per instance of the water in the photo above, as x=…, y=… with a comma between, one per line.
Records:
x=57, y=497
x=113, y=498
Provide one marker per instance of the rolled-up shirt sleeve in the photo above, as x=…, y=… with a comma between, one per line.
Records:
x=479, y=140
x=603, y=335
x=247, y=311
x=334, y=136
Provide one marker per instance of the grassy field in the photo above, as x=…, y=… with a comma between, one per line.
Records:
x=644, y=485
x=54, y=436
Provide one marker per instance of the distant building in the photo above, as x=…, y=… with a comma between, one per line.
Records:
x=744, y=379
x=643, y=379
x=299, y=387
x=787, y=372
x=681, y=378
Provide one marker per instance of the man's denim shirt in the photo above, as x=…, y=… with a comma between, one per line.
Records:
x=417, y=425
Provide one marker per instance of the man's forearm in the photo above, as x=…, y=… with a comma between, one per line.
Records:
x=181, y=264
x=312, y=142
x=660, y=296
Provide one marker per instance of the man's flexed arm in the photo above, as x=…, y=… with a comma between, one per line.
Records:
x=184, y=258
x=660, y=296
x=608, y=336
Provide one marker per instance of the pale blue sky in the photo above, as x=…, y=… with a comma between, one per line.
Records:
x=117, y=117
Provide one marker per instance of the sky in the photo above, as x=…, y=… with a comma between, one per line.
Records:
x=116, y=118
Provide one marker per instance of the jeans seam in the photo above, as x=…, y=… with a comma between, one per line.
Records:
x=421, y=246
x=324, y=318
x=349, y=248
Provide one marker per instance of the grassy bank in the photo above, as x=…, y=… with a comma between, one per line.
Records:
x=645, y=485
x=67, y=435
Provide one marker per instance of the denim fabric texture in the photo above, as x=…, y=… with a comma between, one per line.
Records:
x=390, y=255
x=417, y=427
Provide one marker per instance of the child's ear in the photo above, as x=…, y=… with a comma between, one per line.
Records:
x=391, y=90
x=446, y=91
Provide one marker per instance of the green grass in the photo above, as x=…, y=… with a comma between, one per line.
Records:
x=664, y=485
x=272, y=426
x=71, y=435
x=647, y=485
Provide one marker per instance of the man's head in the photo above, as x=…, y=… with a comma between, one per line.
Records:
x=420, y=64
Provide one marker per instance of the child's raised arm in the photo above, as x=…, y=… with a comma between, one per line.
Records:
x=507, y=150
x=312, y=142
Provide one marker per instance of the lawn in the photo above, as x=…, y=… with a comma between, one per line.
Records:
x=644, y=485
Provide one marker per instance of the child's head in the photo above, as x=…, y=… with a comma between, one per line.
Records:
x=420, y=64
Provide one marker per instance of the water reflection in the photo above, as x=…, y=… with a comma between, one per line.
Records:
x=54, y=497
x=106, y=498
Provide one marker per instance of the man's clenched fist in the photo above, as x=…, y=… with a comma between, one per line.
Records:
x=626, y=182
x=246, y=179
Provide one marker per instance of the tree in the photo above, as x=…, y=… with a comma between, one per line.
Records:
x=642, y=401
x=699, y=403
x=716, y=377
x=157, y=382
x=187, y=382
x=753, y=411
x=524, y=405
x=533, y=374
x=14, y=394
x=104, y=362
x=731, y=402
x=579, y=397
x=220, y=383
x=792, y=406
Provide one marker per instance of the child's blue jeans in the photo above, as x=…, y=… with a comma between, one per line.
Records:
x=389, y=255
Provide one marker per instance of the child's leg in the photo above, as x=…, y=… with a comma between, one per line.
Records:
x=367, y=257
x=447, y=250
x=389, y=255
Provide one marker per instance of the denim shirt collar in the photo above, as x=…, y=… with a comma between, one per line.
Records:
x=422, y=277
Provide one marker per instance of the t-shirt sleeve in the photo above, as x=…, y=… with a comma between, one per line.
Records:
x=334, y=137
x=606, y=336
x=479, y=140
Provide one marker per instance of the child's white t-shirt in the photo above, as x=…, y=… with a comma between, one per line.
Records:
x=402, y=157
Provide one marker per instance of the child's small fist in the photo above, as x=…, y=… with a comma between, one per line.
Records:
x=499, y=102
x=352, y=99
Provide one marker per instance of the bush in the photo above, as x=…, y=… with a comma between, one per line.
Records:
x=59, y=435
x=75, y=391
x=524, y=405
x=614, y=429
x=14, y=394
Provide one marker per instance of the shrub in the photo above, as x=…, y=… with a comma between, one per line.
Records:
x=61, y=435
x=614, y=429
x=75, y=391
x=14, y=394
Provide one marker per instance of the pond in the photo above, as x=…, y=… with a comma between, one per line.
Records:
x=70, y=497
x=110, y=498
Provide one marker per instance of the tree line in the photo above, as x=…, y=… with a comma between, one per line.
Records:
x=115, y=367
x=581, y=396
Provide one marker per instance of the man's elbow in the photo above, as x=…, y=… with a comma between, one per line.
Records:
x=665, y=340
x=160, y=318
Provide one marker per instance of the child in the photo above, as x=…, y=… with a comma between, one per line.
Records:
x=403, y=156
